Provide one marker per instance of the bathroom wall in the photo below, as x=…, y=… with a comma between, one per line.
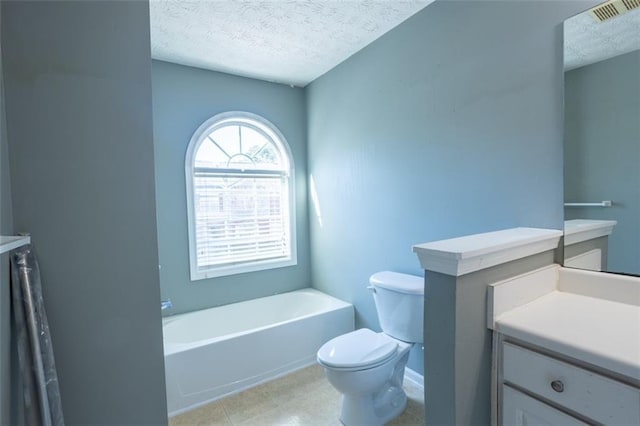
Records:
x=6, y=228
x=450, y=124
x=183, y=98
x=602, y=151
x=78, y=107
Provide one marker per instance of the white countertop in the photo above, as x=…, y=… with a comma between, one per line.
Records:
x=597, y=331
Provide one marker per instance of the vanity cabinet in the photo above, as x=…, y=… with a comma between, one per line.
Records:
x=565, y=348
x=536, y=387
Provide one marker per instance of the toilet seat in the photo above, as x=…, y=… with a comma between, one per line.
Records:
x=358, y=350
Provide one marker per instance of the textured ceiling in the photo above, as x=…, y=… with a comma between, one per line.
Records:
x=291, y=42
x=587, y=41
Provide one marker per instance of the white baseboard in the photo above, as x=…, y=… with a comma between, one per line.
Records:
x=414, y=377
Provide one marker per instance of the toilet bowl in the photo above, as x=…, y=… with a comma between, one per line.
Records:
x=367, y=367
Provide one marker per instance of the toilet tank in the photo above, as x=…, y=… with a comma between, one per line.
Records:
x=399, y=302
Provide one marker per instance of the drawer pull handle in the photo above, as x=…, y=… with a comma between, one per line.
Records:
x=557, y=386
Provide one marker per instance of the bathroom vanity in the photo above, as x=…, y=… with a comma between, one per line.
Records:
x=513, y=338
x=566, y=348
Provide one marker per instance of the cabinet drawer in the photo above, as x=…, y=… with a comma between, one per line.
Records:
x=519, y=409
x=582, y=391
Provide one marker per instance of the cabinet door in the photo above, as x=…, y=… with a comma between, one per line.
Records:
x=519, y=409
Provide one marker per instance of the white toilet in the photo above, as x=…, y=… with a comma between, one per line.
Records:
x=368, y=367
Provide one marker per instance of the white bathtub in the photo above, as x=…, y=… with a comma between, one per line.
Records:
x=222, y=350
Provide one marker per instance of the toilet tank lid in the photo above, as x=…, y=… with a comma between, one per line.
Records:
x=403, y=283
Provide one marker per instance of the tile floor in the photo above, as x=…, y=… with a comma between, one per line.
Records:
x=302, y=398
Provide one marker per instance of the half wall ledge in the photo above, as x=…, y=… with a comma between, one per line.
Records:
x=463, y=255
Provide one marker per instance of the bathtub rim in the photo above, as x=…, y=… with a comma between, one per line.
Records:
x=170, y=348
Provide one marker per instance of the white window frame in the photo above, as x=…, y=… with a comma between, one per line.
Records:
x=199, y=136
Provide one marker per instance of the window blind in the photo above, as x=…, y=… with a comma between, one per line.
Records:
x=240, y=218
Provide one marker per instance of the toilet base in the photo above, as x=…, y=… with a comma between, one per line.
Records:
x=368, y=410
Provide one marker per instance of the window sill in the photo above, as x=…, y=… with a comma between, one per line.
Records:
x=257, y=266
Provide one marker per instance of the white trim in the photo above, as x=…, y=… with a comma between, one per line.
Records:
x=460, y=256
x=278, y=138
x=257, y=265
x=414, y=377
x=579, y=230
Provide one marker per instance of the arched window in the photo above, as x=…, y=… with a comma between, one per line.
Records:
x=240, y=197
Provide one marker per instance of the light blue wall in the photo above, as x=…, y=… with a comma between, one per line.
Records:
x=450, y=124
x=602, y=151
x=78, y=107
x=183, y=98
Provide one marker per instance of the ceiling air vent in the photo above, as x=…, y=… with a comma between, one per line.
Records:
x=613, y=8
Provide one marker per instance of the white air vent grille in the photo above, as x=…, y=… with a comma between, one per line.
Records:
x=613, y=8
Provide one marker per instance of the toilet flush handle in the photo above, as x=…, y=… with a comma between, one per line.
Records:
x=372, y=288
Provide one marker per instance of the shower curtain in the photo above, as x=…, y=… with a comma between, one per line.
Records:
x=42, y=405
